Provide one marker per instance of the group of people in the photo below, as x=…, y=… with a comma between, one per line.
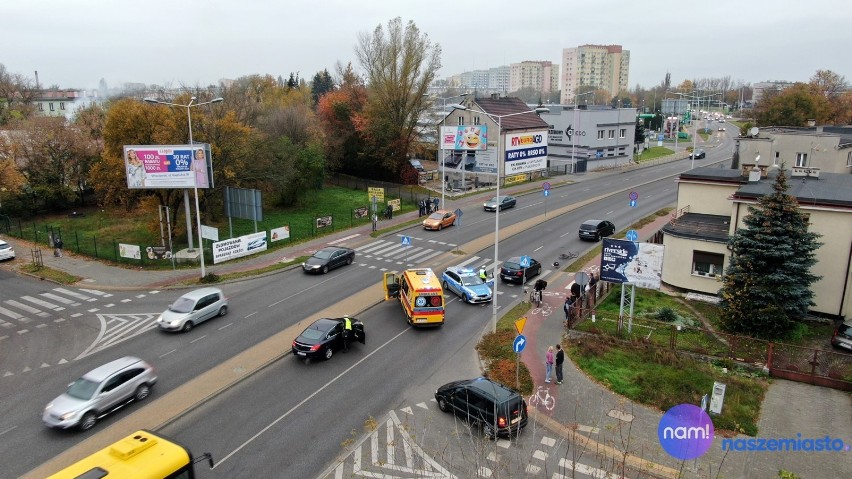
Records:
x=572, y=301
x=552, y=359
x=428, y=206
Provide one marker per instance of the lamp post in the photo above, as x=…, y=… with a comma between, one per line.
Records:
x=497, y=119
x=574, y=128
x=188, y=107
x=441, y=141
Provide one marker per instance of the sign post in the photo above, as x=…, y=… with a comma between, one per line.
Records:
x=518, y=346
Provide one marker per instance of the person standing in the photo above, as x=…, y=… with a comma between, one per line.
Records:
x=560, y=358
x=548, y=364
x=347, y=333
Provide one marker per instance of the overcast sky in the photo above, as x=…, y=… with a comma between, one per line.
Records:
x=75, y=43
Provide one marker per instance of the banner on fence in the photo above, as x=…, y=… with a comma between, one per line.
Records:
x=361, y=212
x=624, y=261
x=131, y=251
x=210, y=232
x=238, y=247
x=158, y=252
x=323, y=222
x=280, y=233
x=378, y=193
x=394, y=204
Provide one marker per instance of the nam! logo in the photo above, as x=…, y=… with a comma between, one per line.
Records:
x=685, y=432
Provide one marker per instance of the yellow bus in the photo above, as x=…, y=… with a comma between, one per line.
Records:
x=141, y=455
x=420, y=293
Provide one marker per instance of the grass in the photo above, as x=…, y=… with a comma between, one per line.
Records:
x=45, y=272
x=653, y=153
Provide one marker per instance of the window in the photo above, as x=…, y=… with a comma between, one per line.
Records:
x=461, y=121
x=622, y=132
x=476, y=120
x=611, y=134
x=51, y=106
x=41, y=107
x=707, y=264
x=801, y=159
x=849, y=159
x=777, y=159
x=600, y=134
x=61, y=105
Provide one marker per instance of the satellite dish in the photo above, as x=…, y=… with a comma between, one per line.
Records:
x=753, y=131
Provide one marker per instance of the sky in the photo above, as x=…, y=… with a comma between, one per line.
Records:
x=74, y=44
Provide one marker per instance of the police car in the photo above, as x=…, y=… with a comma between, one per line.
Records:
x=467, y=284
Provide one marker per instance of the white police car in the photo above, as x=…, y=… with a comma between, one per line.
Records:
x=467, y=284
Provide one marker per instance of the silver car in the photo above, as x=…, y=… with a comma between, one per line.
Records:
x=193, y=308
x=100, y=392
x=6, y=251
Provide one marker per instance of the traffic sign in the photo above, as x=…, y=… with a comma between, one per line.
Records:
x=519, y=343
x=546, y=185
x=634, y=195
x=520, y=323
x=546, y=193
x=633, y=203
x=406, y=240
x=632, y=235
x=525, y=261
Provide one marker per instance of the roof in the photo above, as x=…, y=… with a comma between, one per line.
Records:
x=102, y=372
x=499, y=107
x=700, y=226
x=830, y=189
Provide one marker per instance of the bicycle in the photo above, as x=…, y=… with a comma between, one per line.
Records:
x=535, y=298
x=568, y=255
x=547, y=400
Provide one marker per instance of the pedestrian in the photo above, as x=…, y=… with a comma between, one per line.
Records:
x=437, y=203
x=569, y=303
x=347, y=333
x=560, y=358
x=483, y=275
x=422, y=205
x=548, y=363
x=57, y=244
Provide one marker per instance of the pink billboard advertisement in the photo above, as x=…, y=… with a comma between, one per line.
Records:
x=168, y=166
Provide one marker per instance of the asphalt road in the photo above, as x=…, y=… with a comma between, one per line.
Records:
x=264, y=306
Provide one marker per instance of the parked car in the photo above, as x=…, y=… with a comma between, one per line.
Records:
x=494, y=408
x=439, y=220
x=843, y=336
x=100, y=392
x=595, y=229
x=467, y=284
x=329, y=258
x=721, y=128
x=696, y=155
x=503, y=202
x=511, y=271
x=325, y=336
x=6, y=251
x=193, y=308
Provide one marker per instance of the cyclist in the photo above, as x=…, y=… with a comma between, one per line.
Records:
x=538, y=288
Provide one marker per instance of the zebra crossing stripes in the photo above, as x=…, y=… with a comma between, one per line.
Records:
x=42, y=303
x=63, y=300
x=28, y=308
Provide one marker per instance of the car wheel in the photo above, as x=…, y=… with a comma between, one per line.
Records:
x=440, y=226
x=446, y=286
x=443, y=405
x=328, y=352
x=349, y=261
x=223, y=310
x=88, y=421
x=325, y=269
x=142, y=392
x=465, y=298
x=187, y=326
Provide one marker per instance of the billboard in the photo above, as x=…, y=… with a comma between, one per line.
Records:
x=168, y=166
x=238, y=247
x=526, y=152
x=469, y=138
x=624, y=261
x=472, y=161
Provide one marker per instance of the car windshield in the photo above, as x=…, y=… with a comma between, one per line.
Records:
x=588, y=227
x=323, y=254
x=312, y=333
x=436, y=216
x=510, y=265
x=82, y=389
x=471, y=280
x=845, y=330
x=182, y=305
x=496, y=199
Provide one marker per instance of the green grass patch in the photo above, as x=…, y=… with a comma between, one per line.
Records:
x=653, y=153
x=663, y=379
x=45, y=272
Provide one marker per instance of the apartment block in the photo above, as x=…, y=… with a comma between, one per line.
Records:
x=601, y=67
x=541, y=76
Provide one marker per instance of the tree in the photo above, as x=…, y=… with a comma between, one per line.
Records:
x=321, y=84
x=400, y=64
x=793, y=107
x=640, y=132
x=767, y=286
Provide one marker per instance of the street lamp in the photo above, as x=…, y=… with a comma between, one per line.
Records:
x=574, y=129
x=441, y=141
x=195, y=186
x=497, y=119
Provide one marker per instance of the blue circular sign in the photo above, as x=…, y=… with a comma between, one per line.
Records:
x=519, y=343
x=632, y=235
x=634, y=195
x=546, y=186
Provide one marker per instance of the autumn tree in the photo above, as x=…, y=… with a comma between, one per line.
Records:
x=767, y=286
x=16, y=96
x=834, y=88
x=792, y=107
x=321, y=84
x=400, y=64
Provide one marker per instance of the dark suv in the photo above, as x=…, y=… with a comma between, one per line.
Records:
x=483, y=403
x=511, y=270
x=596, y=229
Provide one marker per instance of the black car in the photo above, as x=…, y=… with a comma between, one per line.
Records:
x=483, y=403
x=502, y=202
x=328, y=258
x=596, y=229
x=698, y=154
x=325, y=336
x=511, y=270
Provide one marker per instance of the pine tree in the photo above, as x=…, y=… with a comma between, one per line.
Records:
x=767, y=286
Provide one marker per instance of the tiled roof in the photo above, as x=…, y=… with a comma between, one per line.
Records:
x=507, y=106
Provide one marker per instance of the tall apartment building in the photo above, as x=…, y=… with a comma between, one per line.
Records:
x=493, y=80
x=604, y=67
x=542, y=76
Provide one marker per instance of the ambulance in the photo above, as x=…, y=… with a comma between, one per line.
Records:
x=420, y=293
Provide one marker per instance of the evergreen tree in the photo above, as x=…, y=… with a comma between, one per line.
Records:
x=767, y=286
x=322, y=84
x=639, y=137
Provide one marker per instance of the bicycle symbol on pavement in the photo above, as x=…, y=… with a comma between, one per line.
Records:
x=545, y=399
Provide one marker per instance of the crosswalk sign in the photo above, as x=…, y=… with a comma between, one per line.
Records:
x=406, y=240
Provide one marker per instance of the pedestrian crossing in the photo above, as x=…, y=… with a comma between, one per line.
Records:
x=396, y=253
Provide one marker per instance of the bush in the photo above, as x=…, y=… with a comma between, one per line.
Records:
x=497, y=345
x=503, y=371
x=667, y=314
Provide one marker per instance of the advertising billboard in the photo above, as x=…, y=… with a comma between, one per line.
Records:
x=526, y=152
x=483, y=161
x=238, y=247
x=624, y=261
x=168, y=166
x=468, y=138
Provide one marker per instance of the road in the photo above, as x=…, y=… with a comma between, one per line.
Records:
x=264, y=306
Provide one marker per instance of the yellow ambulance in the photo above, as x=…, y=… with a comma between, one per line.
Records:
x=420, y=293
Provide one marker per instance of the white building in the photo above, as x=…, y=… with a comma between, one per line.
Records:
x=542, y=76
x=602, y=67
x=594, y=136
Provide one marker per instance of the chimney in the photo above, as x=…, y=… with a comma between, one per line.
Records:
x=754, y=174
x=495, y=96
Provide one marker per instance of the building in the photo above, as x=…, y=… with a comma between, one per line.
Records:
x=600, y=67
x=597, y=135
x=826, y=149
x=542, y=76
x=493, y=80
x=760, y=89
x=58, y=102
x=711, y=205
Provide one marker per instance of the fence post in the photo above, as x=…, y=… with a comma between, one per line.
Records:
x=95, y=242
x=769, y=356
x=673, y=338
